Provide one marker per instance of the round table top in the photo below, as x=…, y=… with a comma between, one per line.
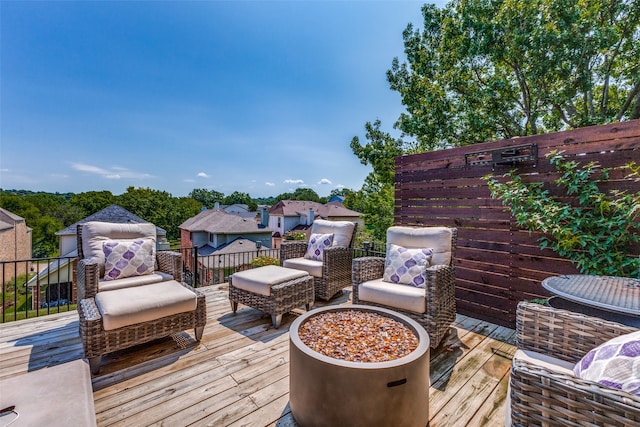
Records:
x=617, y=294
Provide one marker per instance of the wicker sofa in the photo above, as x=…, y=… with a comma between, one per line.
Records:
x=120, y=313
x=333, y=273
x=434, y=305
x=543, y=387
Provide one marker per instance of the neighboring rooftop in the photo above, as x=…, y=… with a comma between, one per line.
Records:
x=8, y=219
x=220, y=222
x=114, y=214
x=301, y=207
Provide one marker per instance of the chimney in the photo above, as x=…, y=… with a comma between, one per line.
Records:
x=216, y=205
x=310, y=217
x=264, y=217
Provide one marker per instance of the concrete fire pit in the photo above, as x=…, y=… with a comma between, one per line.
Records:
x=326, y=391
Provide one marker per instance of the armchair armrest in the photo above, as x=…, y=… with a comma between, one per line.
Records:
x=88, y=272
x=366, y=268
x=171, y=263
x=336, y=263
x=560, y=333
x=292, y=249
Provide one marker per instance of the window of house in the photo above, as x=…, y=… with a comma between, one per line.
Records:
x=279, y=222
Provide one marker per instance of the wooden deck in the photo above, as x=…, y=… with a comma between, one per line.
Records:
x=238, y=374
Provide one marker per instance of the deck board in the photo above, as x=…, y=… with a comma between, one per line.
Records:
x=238, y=374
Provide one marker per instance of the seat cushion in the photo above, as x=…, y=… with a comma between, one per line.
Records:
x=259, y=280
x=109, y=285
x=438, y=239
x=549, y=362
x=393, y=295
x=312, y=267
x=342, y=231
x=138, y=304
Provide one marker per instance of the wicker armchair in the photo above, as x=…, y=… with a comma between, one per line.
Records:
x=98, y=339
x=333, y=273
x=543, y=389
x=434, y=307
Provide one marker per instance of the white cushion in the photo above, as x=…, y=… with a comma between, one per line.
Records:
x=110, y=285
x=312, y=267
x=95, y=233
x=393, y=295
x=406, y=266
x=437, y=239
x=542, y=360
x=317, y=244
x=341, y=230
x=138, y=304
x=259, y=280
x=615, y=364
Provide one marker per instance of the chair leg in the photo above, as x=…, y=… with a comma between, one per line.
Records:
x=308, y=306
x=234, y=306
x=276, y=320
x=94, y=364
x=199, y=330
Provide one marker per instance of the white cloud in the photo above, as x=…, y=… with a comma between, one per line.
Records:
x=203, y=175
x=4, y=170
x=294, y=181
x=324, y=181
x=340, y=186
x=189, y=180
x=116, y=172
x=269, y=184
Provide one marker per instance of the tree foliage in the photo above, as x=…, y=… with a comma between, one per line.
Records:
x=483, y=69
x=208, y=198
x=238, y=197
x=595, y=232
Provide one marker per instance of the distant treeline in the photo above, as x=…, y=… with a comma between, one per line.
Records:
x=48, y=213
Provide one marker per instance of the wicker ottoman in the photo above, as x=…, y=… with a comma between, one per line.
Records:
x=272, y=289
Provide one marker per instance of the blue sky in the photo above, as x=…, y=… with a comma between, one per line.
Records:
x=257, y=97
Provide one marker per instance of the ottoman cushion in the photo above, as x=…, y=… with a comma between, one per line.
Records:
x=260, y=280
x=139, y=304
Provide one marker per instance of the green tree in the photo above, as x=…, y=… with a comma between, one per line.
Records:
x=240, y=198
x=208, y=198
x=91, y=202
x=483, y=69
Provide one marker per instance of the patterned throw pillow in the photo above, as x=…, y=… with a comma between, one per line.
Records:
x=406, y=266
x=317, y=244
x=126, y=258
x=614, y=364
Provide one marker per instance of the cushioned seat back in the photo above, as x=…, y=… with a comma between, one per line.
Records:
x=95, y=233
x=439, y=239
x=342, y=231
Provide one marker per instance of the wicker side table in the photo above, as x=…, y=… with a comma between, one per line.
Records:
x=272, y=289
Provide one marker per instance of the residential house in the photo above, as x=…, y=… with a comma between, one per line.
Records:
x=287, y=215
x=56, y=281
x=223, y=240
x=15, y=244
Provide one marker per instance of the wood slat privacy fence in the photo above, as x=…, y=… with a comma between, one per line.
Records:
x=498, y=264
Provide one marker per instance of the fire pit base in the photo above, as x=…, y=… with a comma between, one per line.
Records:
x=331, y=392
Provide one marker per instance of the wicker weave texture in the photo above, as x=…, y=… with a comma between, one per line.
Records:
x=439, y=293
x=284, y=296
x=541, y=396
x=336, y=266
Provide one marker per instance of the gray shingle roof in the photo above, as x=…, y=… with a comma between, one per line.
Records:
x=220, y=222
x=301, y=207
x=115, y=214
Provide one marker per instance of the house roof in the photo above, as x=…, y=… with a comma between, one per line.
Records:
x=114, y=214
x=218, y=221
x=235, y=246
x=301, y=207
x=8, y=220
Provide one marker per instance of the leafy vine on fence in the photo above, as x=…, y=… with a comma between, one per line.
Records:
x=593, y=229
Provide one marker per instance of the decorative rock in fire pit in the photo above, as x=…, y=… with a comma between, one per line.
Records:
x=358, y=366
